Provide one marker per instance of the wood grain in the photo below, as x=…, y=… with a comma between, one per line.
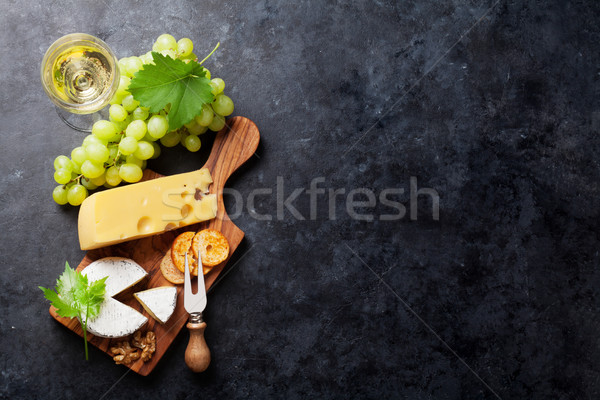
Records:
x=233, y=146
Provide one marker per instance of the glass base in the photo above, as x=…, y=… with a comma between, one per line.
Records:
x=81, y=122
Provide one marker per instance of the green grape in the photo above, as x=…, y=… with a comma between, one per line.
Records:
x=144, y=151
x=88, y=184
x=140, y=113
x=99, y=181
x=123, y=85
x=117, y=113
x=146, y=58
x=206, y=73
x=63, y=162
x=76, y=168
x=128, y=145
x=132, y=65
x=185, y=46
x=217, y=123
x=129, y=103
x=171, y=139
x=223, y=105
x=206, y=115
x=93, y=139
x=218, y=85
x=164, y=42
x=148, y=138
x=169, y=53
x=188, y=58
x=157, y=150
x=62, y=176
x=104, y=129
x=113, y=151
x=112, y=176
x=59, y=194
x=76, y=194
x=78, y=155
x=197, y=129
x=182, y=135
x=122, y=67
x=131, y=159
x=91, y=170
x=117, y=98
x=136, y=129
x=97, y=153
x=192, y=143
x=119, y=127
x=130, y=173
x=157, y=126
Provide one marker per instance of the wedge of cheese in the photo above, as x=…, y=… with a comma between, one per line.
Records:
x=115, y=318
x=159, y=302
x=145, y=208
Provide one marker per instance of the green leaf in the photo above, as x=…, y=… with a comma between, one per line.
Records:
x=182, y=85
x=95, y=297
x=63, y=308
x=67, y=284
x=74, y=297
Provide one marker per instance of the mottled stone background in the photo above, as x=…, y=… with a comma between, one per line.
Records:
x=493, y=104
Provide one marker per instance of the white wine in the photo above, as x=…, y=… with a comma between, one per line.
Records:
x=80, y=73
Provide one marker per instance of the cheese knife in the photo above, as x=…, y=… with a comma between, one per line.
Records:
x=197, y=354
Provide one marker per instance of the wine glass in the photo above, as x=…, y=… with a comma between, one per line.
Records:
x=80, y=74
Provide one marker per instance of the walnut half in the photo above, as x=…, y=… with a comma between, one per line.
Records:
x=147, y=344
x=143, y=347
x=123, y=353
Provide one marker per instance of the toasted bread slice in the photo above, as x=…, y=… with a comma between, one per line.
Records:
x=169, y=270
x=211, y=246
x=181, y=245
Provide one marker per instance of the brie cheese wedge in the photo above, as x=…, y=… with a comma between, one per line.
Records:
x=159, y=302
x=122, y=273
x=115, y=318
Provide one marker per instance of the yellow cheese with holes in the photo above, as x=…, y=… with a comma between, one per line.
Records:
x=145, y=208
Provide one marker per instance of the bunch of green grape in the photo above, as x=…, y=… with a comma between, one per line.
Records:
x=117, y=149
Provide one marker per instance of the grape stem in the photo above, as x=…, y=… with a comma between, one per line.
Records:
x=210, y=54
x=76, y=179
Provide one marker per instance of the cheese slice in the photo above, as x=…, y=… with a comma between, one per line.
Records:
x=115, y=319
x=122, y=273
x=145, y=208
x=159, y=302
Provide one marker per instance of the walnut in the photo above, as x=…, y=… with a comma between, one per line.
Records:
x=123, y=353
x=143, y=347
x=147, y=344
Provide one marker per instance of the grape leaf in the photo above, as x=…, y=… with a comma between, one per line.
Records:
x=74, y=297
x=182, y=85
x=63, y=308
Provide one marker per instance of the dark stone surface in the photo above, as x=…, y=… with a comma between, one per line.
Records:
x=494, y=104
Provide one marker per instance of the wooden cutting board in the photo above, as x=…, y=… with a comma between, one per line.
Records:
x=233, y=146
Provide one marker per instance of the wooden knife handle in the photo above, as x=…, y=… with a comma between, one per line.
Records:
x=197, y=354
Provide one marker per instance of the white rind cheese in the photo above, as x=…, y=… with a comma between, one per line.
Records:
x=115, y=318
x=122, y=273
x=159, y=302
